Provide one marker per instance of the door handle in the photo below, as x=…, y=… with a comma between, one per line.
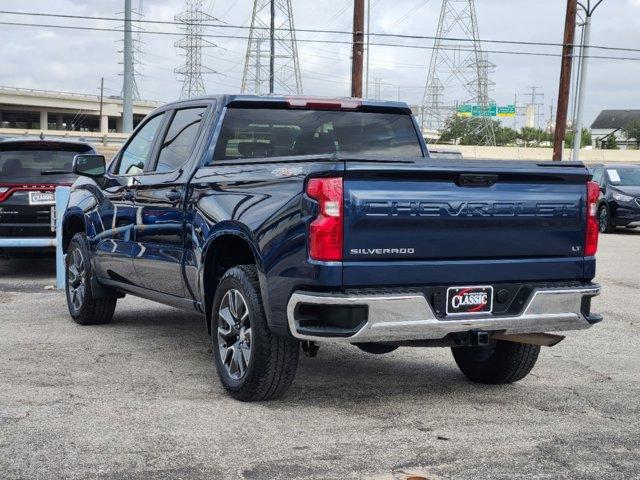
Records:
x=128, y=195
x=174, y=195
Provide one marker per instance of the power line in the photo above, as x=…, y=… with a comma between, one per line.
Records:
x=307, y=30
x=337, y=42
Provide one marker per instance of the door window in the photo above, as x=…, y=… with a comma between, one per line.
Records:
x=181, y=138
x=138, y=152
x=597, y=176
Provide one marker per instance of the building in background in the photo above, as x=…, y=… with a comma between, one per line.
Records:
x=610, y=123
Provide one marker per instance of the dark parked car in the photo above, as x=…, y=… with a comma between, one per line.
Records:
x=290, y=221
x=30, y=170
x=619, y=203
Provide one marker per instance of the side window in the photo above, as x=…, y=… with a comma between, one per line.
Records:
x=597, y=176
x=136, y=155
x=180, y=139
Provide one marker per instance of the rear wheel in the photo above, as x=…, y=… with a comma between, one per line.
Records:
x=605, y=221
x=497, y=363
x=252, y=363
x=83, y=307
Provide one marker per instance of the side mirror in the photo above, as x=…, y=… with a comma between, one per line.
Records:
x=92, y=166
x=603, y=189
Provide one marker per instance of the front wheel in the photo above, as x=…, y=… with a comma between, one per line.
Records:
x=84, y=308
x=605, y=222
x=252, y=363
x=497, y=363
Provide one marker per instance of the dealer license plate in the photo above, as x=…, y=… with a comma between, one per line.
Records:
x=469, y=300
x=42, y=198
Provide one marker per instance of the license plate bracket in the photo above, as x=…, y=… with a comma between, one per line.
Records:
x=469, y=300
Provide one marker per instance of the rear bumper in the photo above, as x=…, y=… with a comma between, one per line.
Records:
x=403, y=317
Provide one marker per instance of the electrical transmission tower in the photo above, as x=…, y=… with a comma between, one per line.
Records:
x=193, y=19
x=271, y=64
x=458, y=71
x=137, y=49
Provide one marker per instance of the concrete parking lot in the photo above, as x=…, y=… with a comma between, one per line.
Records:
x=138, y=399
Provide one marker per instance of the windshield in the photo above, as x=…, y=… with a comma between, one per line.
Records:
x=24, y=160
x=624, y=176
x=259, y=133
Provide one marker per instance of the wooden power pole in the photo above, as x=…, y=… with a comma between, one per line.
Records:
x=565, y=79
x=358, y=48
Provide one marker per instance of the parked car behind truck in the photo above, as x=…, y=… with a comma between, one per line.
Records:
x=290, y=221
x=619, y=203
x=30, y=171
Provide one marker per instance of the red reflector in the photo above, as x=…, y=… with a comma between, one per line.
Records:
x=591, y=241
x=324, y=103
x=325, y=232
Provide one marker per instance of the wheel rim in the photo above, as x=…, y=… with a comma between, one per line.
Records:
x=234, y=334
x=76, y=279
x=603, y=219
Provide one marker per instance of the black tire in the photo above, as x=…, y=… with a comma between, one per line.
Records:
x=498, y=363
x=272, y=361
x=85, y=309
x=605, y=223
x=376, y=348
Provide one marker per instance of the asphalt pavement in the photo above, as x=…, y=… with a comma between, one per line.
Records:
x=139, y=399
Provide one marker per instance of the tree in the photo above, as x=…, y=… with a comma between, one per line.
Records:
x=585, y=139
x=632, y=131
x=505, y=136
x=465, y=131
x=533, y=136
x=612, y=142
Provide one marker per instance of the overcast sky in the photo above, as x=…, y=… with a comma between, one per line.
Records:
x=66, y=60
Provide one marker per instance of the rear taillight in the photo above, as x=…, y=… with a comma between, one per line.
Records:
x=325, y=232
x=7, y=190
x=591, y=241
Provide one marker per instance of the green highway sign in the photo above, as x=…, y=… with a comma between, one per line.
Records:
x=492, y=110
x=508, y=111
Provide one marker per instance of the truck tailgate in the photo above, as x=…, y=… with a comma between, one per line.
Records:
x=438, y=210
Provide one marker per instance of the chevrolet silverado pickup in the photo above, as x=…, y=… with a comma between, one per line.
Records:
x=291, y=221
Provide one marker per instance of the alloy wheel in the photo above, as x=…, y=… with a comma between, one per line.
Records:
x=234, y=334
x=76, y=279
x=603, y=219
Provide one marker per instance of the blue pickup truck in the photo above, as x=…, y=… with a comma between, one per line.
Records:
x=292, y=221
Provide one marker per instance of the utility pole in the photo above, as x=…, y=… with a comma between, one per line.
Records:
x=272, y=46
x=366, y=80
x=584, y=49
x=358, y=38
x=565, y=78
x=127, y=86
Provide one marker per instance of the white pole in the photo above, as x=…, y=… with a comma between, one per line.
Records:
x=577, y=131
x=62, y=200
x=127, y=88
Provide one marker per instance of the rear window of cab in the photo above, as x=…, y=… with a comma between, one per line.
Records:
x=264, y=133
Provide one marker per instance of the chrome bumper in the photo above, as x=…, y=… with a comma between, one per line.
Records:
x=398, y=317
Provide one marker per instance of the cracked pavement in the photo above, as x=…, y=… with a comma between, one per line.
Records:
x=138, y=399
